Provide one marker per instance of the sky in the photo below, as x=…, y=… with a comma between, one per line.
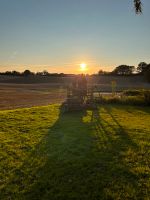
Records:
x=58, y=35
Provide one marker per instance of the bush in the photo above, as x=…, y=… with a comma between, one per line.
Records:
x=133, y=92
x=133, y=100
x=125, y=100
x=127, y=97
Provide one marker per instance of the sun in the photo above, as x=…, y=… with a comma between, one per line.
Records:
x=83, y=67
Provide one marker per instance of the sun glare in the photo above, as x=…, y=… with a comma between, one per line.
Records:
x=83, y=67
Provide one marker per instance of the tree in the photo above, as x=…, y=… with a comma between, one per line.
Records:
x=123, y=70
x=7, y=73
x=148, y=73
x=102, y=72
x=15, y=73
x=144, y=69
x=138, y=6
x=27, y=72
x=45, y=73
x=142, y=66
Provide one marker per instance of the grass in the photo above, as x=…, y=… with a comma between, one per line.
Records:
x=100, y=154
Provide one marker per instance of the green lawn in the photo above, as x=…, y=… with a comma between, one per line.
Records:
x=92, y=155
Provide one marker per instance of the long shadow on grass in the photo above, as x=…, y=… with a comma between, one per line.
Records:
x=83, y=157
x=136, y=110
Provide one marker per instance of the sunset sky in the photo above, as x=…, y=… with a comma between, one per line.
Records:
x=59, y=35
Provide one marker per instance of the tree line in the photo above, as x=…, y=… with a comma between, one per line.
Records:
x=27, y=73
x=142, y=69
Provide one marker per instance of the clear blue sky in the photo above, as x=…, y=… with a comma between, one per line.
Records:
x=58, y=35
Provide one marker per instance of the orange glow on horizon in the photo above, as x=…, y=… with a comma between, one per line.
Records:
x=67, y=68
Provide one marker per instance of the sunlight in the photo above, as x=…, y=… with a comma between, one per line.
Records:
x=83, y=67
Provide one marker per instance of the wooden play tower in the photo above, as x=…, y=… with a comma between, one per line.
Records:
x=79, y=95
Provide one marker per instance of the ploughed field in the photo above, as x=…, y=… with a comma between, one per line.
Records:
x=27, y=95
x=99, y=154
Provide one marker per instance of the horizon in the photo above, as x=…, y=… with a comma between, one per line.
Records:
x=59, y=36
x=83, y=68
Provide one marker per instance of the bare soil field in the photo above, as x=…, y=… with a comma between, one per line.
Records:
x=14, y=96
